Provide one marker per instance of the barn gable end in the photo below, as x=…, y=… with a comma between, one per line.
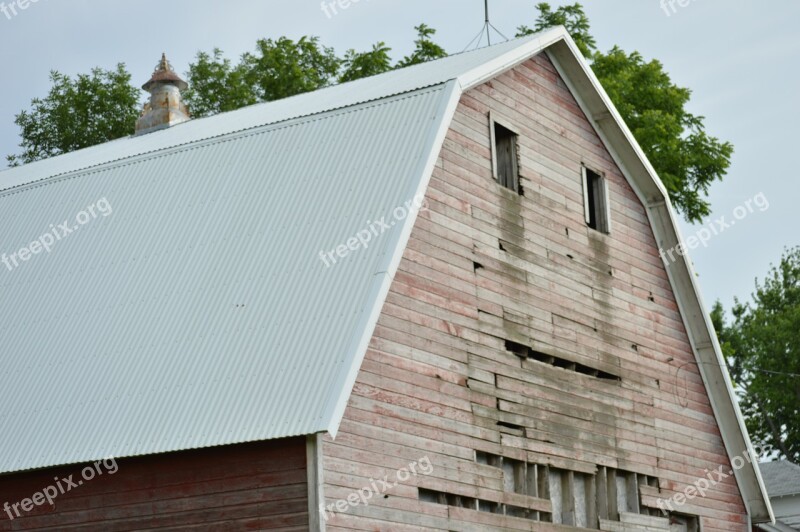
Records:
x=540, y=365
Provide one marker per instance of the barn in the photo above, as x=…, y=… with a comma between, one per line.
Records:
x=448, y=297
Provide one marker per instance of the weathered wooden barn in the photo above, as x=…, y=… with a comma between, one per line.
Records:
x=434, y=299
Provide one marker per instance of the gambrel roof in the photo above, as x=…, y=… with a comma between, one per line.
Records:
x=199, y=313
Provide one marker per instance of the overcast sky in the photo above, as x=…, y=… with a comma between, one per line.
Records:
x=739, y=57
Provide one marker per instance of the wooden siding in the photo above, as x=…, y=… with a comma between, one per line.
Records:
x=485, y=266
x=257, y=486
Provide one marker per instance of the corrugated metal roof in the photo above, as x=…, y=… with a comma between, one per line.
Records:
x=199, y=312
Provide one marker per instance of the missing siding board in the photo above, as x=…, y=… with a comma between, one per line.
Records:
x=574, y=498
x=512, y=426
x=577, y=498
x=488, y=459
x=525, y=352
x=449, y=499
x=481, y=505
x=522, y=478
x=516, y=348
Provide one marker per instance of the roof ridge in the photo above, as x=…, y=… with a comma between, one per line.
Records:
x=222, y=137
x=330, y=98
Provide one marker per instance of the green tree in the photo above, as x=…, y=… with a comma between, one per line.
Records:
x=282, y=68
x=424, y=48
x=364, y=64
x=77, y=113
x=277, y=69
x=762, y=349
x=571, y=17
x=216, y=86
x=688, y=160
x=103, y=105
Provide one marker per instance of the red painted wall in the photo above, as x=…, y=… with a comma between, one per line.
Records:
x=255, y=486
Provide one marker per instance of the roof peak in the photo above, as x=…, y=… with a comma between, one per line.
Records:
x=164, y=73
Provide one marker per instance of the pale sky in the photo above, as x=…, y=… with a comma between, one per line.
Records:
x=739, y=57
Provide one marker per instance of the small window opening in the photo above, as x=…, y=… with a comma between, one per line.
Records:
x=505, y=161
x=684, y=523
x=595, y=199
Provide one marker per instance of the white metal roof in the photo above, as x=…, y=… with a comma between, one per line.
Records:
x=127, y=339
x=199, y=312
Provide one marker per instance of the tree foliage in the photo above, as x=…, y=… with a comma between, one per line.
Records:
x=77, y=113
x=359, y=65
x=762, y=348
x=688, y=160
x=282, y=68
x=424, y=48
x=216, y=86
x=572, y=17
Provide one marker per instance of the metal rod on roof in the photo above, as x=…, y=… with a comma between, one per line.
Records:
x=487, y=28
x=486, y=10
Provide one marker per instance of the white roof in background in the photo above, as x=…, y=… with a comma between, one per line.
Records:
x=199, y=313
x=781, y=477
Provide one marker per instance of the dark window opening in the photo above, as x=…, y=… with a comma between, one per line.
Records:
x=596, y=205
x=506, y=162
x=683, y=523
